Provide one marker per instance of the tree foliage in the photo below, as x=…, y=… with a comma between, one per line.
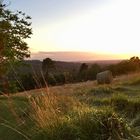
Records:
x=126, y=66
x=83, y=72
x=47, y=65
x=14, y=29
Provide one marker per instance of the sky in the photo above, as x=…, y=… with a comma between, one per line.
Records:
x=110, y=28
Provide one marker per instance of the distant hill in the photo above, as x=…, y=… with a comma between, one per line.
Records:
x=102, y=63
x=35, y=66
x=61, y=66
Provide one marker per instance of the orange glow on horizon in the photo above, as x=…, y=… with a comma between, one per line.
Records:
x=78, y=56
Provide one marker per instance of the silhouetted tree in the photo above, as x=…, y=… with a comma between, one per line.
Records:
x=47, y=65
x=135, y=63
x=83, y=72
x=125, y=66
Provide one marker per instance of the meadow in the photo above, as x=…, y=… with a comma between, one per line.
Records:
x=81, y=111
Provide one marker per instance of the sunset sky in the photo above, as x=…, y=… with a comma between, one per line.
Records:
x=110, y=28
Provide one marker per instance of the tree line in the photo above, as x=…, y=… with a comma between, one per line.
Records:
x=51, y=76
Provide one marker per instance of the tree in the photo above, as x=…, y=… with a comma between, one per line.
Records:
x=135, y=63
x=14, y=29
x=83, y=67
x=47, y=65
x=135, y=59
x=92, y=71
x=83, y=71
x=125, y=66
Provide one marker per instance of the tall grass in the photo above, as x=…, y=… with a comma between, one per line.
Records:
x=88, y=114
x=84, y=123
x=129, y=107
x=44, y=111
x=47, y=110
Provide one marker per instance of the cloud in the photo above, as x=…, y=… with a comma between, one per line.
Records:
x=73, y=56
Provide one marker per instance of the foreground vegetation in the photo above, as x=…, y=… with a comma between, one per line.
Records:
x=83, y=111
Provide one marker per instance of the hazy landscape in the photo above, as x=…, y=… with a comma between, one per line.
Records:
x=70, y=70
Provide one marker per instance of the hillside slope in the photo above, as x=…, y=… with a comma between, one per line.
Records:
x=84, y=111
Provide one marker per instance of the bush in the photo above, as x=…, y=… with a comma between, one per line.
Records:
x=27, y=82
x=51, y=79
x=60, y=78
x=9, y=87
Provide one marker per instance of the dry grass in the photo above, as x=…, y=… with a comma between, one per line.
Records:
x=65, y=112
x=126, y=77
x=47, y=110
x=44, y=111
x=69, y=89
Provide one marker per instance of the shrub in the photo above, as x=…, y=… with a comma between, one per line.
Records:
x=51, y=79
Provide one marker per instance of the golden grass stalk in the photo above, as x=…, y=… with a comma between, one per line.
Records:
x=44, y=110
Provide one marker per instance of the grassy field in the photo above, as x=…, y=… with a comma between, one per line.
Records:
x=83, y=111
